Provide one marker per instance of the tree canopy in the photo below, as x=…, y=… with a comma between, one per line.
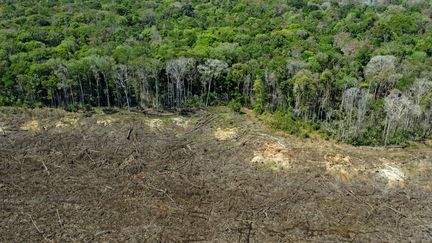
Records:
x=359, y=70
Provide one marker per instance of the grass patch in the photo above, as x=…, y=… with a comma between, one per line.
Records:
x=292, y=125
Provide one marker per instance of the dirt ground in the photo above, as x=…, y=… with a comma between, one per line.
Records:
x=213, y=176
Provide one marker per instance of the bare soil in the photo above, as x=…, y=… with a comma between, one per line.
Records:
x=212, y=176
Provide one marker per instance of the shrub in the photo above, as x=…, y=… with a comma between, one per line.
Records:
x=235, y=105
x=286, y=122
x=72, y=108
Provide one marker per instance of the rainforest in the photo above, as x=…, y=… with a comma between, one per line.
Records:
x=357, y=71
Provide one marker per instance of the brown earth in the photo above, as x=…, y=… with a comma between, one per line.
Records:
x=214, y=176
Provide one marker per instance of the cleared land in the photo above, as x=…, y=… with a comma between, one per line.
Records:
x=211, y=176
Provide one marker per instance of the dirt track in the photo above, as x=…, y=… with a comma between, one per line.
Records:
x=209, y=177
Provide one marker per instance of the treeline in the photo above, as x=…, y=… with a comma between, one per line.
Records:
x=361, y=73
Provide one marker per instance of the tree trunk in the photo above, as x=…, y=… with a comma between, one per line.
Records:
x=72, y=95
x=127, y=97
x=157, y=94
x=97, y=91
x=208, y=92
x=107, y=90
x=81, y=91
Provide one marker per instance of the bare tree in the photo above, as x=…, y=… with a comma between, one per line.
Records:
x=147, y=72
x=399, y=112
x=294, y=66
x=176, y=70
x=354, y=104
x=420, y=89
x=122, y=78
x=156, y=36
x=381, y=73
x=211, y=70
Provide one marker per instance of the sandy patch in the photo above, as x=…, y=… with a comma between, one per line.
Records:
x=273, y=155
x=32, y=125
x=393, y=175
x=67, y=122
x=180, y=122
x=106, y=121
x=339, y=166
x=155, y=124
x=225, y=134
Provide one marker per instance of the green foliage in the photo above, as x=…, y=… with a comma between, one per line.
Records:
x=72, y=108
x=258, y=91
x=289, y=123
x=235, y=105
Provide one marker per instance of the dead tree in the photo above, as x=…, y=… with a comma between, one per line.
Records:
x=147, y=73
x=176, y=70
x=122, y=78
x=420, y=89
x=399, y=113
x=211, y=70
x=354, y=104
x=381, y=73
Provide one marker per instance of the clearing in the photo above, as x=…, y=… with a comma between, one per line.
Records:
x=211, y=176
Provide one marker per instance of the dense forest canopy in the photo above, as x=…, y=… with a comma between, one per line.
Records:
x=359, y=70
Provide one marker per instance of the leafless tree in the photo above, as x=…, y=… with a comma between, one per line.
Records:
x=400, y=110
x=156, y=36
x=381, y=73
x=122, y=78
x=176, y=70
x=419, y=89
x=211, y=70
x=146, y=73
x=294, y=66
x=354, y=104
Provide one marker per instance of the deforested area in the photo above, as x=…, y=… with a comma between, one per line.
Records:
x=207, y=176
